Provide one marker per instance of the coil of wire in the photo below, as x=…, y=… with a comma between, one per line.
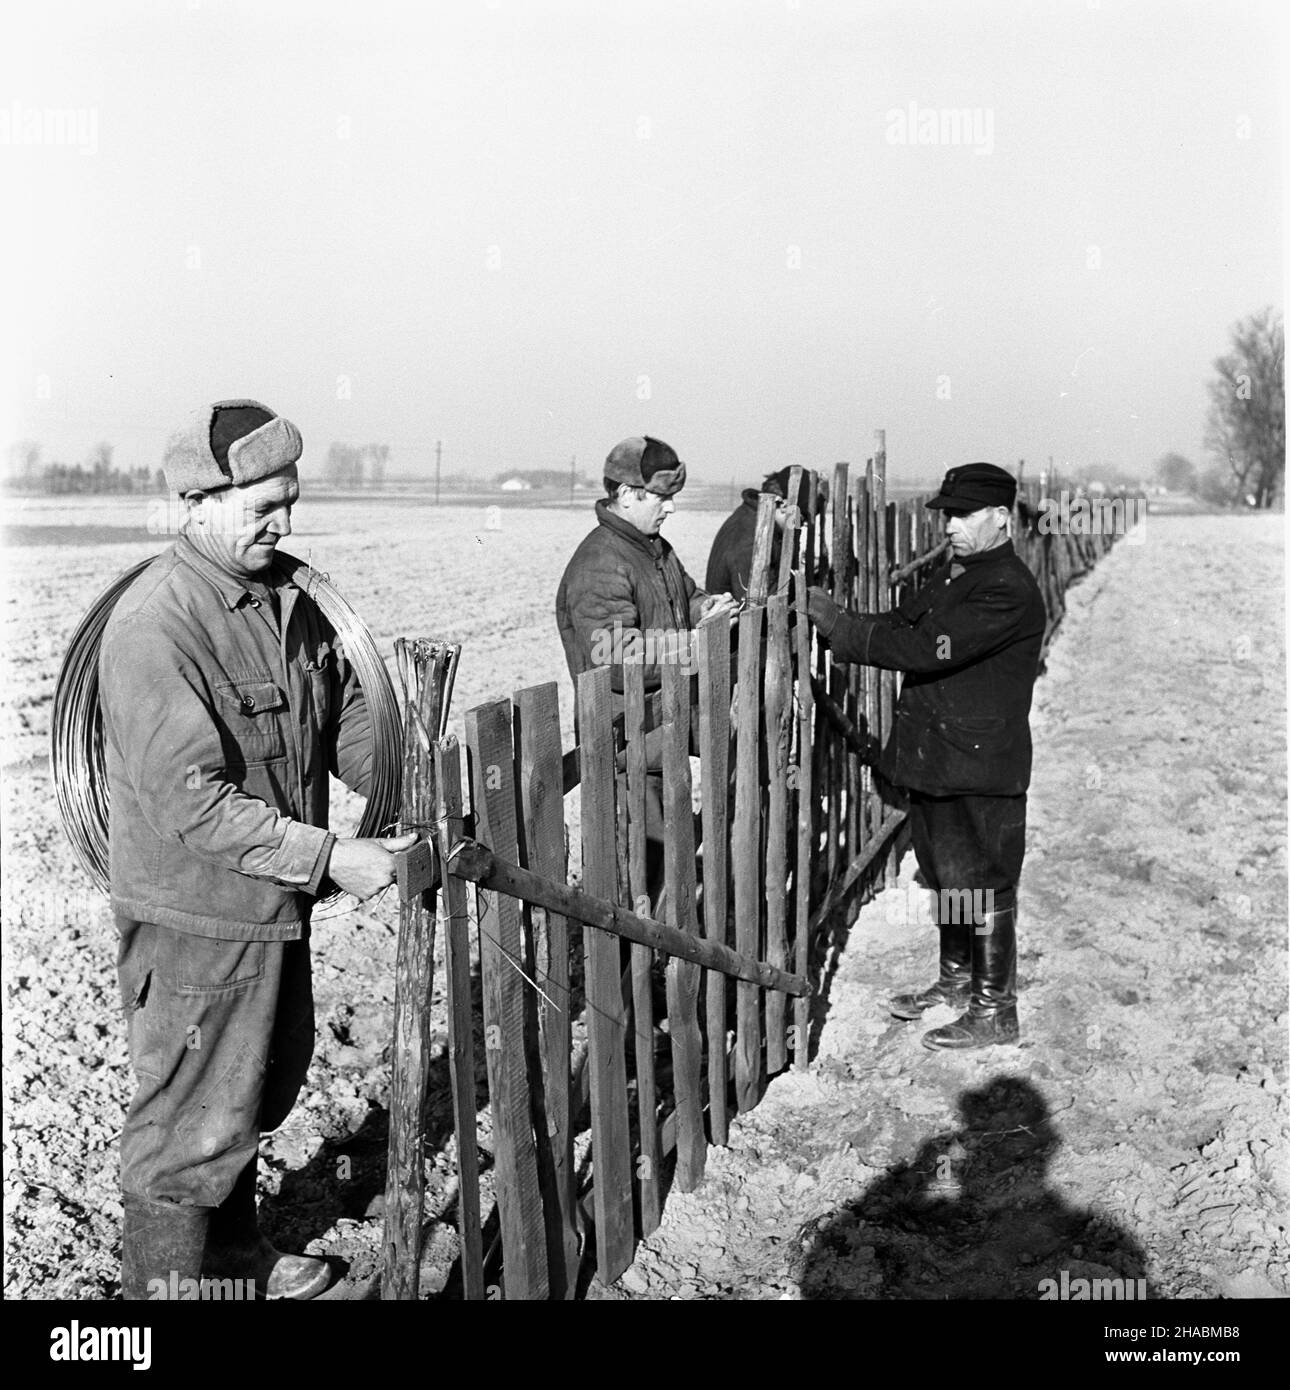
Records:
x=77, y=757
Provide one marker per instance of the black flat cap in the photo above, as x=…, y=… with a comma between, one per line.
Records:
x=976, y=485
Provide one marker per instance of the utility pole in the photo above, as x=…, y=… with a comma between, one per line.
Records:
x=438, y=462
x=573, y=477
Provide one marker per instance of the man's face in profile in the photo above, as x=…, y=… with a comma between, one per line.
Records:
x=971, y=532
x=241, y=526
x=646, y=510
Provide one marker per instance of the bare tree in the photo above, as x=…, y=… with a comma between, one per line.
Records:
x=344, y=465
x=377, y=457
x=1176, y=473
x=24, y=459
x=1246, y=426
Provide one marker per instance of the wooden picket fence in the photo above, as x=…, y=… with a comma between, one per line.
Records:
x=795, y=829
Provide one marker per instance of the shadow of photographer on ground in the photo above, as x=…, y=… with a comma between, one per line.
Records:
x=973, y=1216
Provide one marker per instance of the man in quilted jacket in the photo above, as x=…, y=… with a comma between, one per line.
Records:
x=626, y=589
x=227, y=700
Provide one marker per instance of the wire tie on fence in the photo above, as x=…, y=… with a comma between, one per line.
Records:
x=506, y=955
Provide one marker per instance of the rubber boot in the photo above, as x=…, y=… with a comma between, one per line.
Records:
x=236, y=1249
x=953, y=987
x=161, y=1248
x=992, y=1014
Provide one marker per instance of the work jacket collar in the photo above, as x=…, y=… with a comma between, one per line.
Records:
x=232, y=591
x=622, y=527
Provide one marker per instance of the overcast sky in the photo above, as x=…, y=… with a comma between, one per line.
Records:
x=532, y=229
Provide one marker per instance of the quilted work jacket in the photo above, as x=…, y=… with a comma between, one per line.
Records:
x=622, y=582
x=969, y=645
x=221, y=728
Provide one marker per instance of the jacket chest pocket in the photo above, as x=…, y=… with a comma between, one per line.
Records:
x=252, y=714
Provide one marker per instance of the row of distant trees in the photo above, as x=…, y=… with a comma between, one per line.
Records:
x=1245, y=435
x=347, y=465
x=96, y=476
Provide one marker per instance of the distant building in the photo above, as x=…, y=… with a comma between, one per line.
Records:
x=517, y=485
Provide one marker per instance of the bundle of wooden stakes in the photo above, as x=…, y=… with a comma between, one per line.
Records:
x=426, y=670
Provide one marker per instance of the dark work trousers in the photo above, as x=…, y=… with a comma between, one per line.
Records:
x=220, y=1034
x=970, y=843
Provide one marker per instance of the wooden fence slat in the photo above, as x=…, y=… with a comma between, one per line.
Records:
x=864, y=689
x=802, y=877
x=542, y=811
x=682, y=975
x=746, y=851
x=836, y=679
x=519, y=1204
x=823, y=864
x=855, y=580
x=461, y=1036
x=647, y=1169
x=409, y=1071
x=802, y=944
x=778, y=715
x=759, y=576
x=792, y=529
x=606, y=1013
x=713, y=642
x=883, y=532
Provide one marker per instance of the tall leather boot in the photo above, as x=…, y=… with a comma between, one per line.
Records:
x=236, y=1249
x=161, y=1244
x=952, y=986
x=992, y=1014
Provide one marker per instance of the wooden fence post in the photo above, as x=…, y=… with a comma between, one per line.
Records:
x=413, y=981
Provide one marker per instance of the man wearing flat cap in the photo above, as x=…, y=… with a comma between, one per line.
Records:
x=226, y=701
x=968, y=643
x=625, y=589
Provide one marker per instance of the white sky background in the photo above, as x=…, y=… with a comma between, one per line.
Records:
x=494, y=218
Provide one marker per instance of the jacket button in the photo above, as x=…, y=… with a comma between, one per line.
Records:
x=248, y=702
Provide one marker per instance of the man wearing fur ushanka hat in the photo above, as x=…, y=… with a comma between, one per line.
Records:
x=226, y=701
x=625, y=590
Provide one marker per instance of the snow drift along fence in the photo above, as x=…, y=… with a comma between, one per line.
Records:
x=795, y=828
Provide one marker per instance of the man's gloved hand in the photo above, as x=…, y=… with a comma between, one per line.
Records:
x=821, y=610
x=364, y=867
